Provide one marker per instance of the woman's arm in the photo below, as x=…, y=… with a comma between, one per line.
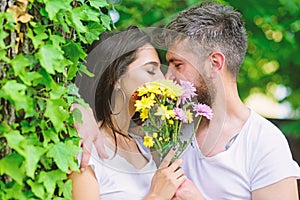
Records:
x=284, y=189
x=85, y=185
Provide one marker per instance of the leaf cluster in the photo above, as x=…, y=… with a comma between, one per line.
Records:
x=42, y=48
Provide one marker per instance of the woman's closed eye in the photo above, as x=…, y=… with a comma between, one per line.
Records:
x=151, y=72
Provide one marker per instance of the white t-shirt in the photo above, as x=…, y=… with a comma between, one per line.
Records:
x=119, y=179
x=259, y=156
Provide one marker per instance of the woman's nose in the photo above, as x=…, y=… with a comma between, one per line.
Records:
x=170, y=75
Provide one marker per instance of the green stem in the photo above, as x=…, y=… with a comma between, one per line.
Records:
x=191, y=138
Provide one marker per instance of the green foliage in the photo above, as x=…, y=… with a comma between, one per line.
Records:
x=39, y=58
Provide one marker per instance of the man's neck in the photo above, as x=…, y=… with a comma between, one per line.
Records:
x=230, y=114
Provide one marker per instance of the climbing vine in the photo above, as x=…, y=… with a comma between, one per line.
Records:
x=42, y=48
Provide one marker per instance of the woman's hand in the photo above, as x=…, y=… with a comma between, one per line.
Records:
x=89, y=132
x=167, y=179
x=187, y=191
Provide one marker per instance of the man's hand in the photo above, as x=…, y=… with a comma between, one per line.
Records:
x=187, y=191
x=89, y=132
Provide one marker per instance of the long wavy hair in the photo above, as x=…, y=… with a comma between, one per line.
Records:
x=118, y=51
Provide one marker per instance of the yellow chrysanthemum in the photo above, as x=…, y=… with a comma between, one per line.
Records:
x=148, y=141
x=152, y=96
x=144, y=114
x=153, y=88
x=143, y=103
x=142, y=91
x=173, y=89
x=164, y=113
x=190, y=116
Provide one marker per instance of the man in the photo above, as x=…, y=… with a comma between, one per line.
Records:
x=239, y=154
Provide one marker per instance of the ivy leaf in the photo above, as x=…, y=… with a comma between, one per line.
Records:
x=45, y=80
x=77, y=115
x=50, y=58
x=57, y=40
x=57, y=91
x=62, y=21
x=76, y=20
x=14, y=140
x=94, y=30
x=15, y=93
x=105, y=19
x=56, y=112
x=15, y=192
x=63, y=155
x=83, y=69
x=3, y=35
x=37, y=188
x=19, y=64
x=73, y=90
x=49, y=134
x=11, y=165
x=32, y=155
x=50, y=179
x=74, y=51
x=27, y=127
x=3, y=53
x=54, y=6
x=66, y=189
x=4, y=127
x=37, y=40
x=89, y=14
x=98, y=3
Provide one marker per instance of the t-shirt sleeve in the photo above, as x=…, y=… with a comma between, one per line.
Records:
x=271, y=160
x=94, y=163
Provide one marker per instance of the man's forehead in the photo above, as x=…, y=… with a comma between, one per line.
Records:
x=177, y=49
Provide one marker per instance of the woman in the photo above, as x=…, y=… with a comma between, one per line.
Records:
x=125, y=61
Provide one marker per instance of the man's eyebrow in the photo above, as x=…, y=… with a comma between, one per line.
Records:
x=156, y=64
x=173, y=60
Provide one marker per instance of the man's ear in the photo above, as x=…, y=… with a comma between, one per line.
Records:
x=217, y=60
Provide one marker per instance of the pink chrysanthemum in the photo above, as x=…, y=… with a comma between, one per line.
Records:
x=188, y=91
x=204, y=110
x=180, y=114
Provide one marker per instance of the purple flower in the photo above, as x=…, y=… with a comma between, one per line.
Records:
x=180, y=114
x=204, y=110
x=188, y=91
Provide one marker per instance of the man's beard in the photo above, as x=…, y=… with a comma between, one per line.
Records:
x=205, y=91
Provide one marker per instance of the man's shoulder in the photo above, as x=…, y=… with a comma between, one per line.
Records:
x=262, y=135
x=257, y=121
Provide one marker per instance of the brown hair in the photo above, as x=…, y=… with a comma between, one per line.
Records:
x=117, y=50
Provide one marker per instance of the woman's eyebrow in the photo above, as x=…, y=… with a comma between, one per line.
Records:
x=156, y=64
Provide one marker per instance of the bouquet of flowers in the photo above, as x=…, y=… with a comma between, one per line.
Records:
x=164, y=107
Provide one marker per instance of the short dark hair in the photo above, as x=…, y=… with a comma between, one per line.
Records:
x=215, y=27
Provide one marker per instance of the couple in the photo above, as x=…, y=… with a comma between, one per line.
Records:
x=237, y=155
